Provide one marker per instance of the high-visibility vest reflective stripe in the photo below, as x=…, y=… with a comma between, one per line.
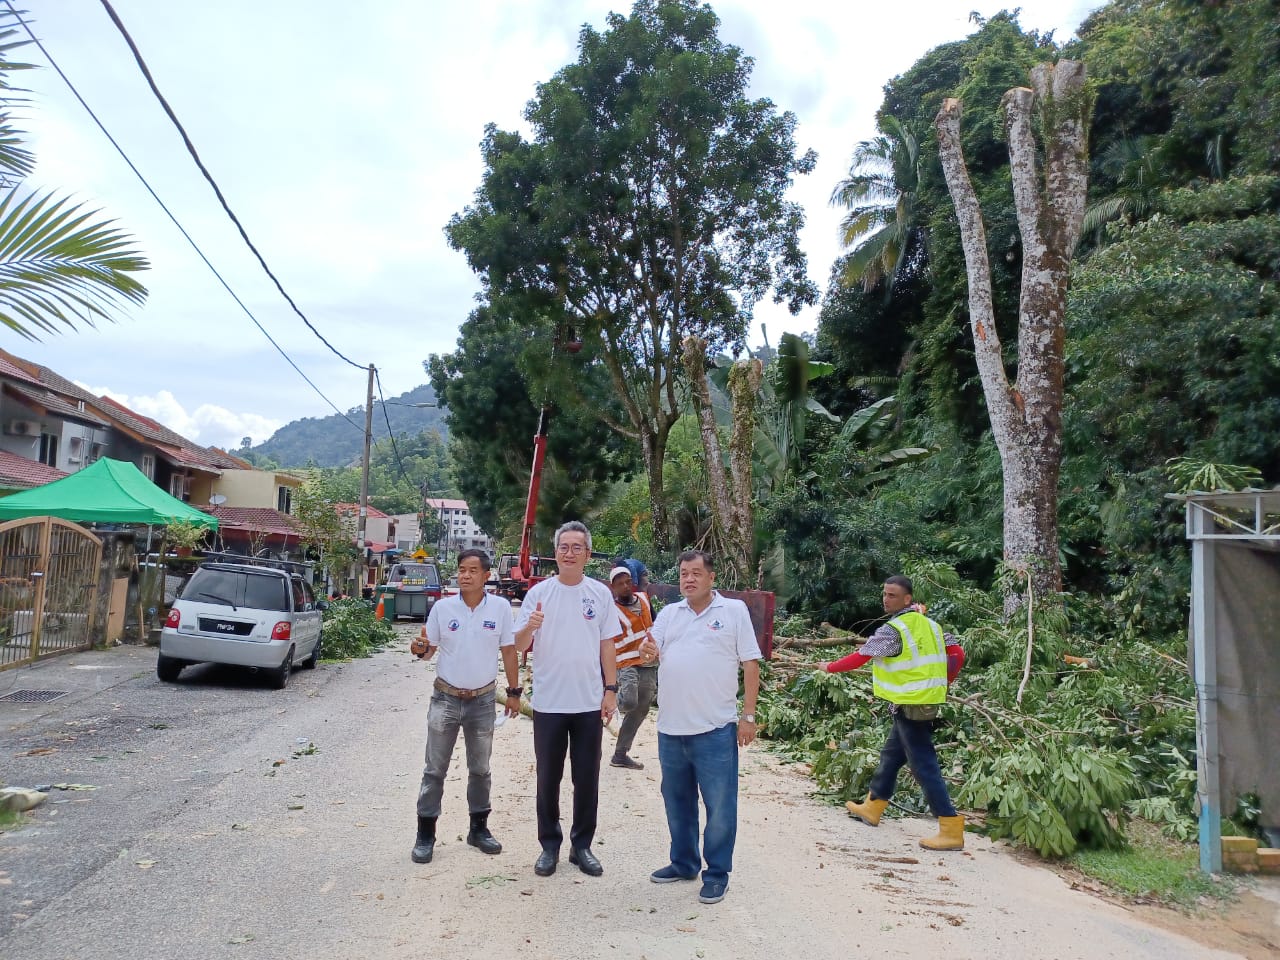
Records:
x=635, y=626
x=918, y=674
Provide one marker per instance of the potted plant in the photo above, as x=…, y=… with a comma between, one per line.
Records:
x=184, y=536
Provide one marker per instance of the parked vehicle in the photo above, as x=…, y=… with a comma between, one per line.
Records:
x=248, y=615
x=417, y=587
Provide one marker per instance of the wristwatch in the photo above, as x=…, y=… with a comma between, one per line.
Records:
x=515, y=691
x=612, y=687
x=749, y=717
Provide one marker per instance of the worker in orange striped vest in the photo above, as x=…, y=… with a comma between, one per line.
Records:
x=637, y=683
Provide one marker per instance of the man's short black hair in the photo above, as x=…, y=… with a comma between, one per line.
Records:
x=689, y=555
x=898, y=580
x=485, y=563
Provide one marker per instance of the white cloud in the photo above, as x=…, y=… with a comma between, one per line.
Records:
x=209, y=425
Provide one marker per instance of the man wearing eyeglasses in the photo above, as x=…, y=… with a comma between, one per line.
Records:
x=574, y=693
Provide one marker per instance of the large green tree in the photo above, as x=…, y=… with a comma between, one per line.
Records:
x=495, y=384
x=648, y=205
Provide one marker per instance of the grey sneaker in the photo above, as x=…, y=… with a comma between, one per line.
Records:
x=622, y=760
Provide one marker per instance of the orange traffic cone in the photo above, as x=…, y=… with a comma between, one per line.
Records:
x=380, y=611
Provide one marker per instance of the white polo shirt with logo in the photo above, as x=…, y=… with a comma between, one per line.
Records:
x=698, y=658
x=469, y=639
x=566, y=648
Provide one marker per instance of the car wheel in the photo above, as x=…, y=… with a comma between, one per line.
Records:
x=280, y=676
x=311, y=661
x=168, y=668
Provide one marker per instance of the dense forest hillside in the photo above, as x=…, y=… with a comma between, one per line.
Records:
x=332, y=441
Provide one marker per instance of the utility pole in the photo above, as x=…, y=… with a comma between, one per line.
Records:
x=363, y=516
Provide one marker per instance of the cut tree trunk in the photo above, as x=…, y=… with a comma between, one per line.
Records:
x=1026, y=415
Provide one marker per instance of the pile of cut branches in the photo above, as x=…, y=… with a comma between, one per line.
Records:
x=1054, y=733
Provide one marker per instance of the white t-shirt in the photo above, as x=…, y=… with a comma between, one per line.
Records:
x=469, y=639
x=698, y=662
x=566, y=648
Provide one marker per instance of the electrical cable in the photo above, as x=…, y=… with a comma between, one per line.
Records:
x=394, y=449
x=181, y=229
x=191, y=149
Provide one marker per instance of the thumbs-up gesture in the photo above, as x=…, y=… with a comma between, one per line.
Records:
x=648, y=649
x=421, y=647
x=535, y=618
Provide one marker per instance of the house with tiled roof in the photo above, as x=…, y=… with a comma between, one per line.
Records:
x=52, y=427
x=44, y=433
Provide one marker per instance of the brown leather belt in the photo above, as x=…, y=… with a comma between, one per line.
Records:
x=462, y=694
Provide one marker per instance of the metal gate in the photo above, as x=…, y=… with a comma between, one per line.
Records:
x=48, y=587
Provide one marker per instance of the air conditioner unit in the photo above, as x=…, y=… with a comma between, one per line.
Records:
x=23, y=428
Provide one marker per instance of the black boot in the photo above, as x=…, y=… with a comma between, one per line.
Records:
x=425, y=845
x=479, y=835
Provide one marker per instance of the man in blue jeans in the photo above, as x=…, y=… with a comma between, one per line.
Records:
x=699, y=644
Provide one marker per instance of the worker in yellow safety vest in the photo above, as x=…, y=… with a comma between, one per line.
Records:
x=912, y=662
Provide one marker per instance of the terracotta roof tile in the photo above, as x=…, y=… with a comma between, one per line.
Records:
x=19, y=473
x=251, y=520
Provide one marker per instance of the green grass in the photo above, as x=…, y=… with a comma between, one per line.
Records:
x=9, y=819
x=1153, y=868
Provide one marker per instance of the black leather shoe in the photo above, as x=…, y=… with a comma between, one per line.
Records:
x=545, y=865
x=586, y=861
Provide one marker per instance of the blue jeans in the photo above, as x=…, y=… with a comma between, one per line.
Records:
x=911, y=742
x=706, y=763
x=445, y=717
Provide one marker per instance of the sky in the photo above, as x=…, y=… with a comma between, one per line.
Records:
x=344, y=136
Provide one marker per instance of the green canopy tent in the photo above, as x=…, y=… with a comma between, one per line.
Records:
x=107, y=491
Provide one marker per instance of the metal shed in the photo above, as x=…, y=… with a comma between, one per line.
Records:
x=1235, y=654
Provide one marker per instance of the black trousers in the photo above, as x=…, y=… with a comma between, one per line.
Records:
x=579, y=735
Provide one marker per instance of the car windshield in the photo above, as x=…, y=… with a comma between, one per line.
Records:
x=238, y=588
x=417, y=573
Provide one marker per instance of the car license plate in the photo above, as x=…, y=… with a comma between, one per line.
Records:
x=226, y=628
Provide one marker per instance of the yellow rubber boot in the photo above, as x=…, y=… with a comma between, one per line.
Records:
x=869, y=811
x=950, y=835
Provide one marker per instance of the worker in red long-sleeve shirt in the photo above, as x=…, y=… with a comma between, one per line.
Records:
x=912, y=663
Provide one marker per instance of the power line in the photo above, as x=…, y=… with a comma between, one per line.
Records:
x=181, y=229
x=191, y=149
x=391, y=433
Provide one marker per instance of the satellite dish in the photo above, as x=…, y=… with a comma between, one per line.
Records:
x=217, y=500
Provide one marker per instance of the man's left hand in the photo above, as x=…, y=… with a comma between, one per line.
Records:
x=746, y=733
x=608, y=706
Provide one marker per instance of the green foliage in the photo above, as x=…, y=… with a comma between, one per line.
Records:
x=351, y=630
x=648, y=204
x=495, y=383
x=183, y=533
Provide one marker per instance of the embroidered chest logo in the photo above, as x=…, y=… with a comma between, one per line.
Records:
x=490, y=624
x=454, y=625
x=588, y=608
x=715, y=626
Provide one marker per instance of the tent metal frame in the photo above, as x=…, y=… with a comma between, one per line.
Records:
x=1247, y=516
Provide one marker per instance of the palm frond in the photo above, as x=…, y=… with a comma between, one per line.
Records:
x=59, y=267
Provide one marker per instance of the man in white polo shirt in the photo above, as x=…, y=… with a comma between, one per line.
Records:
x=575, y=686
x=699, y=643
x=469, y=630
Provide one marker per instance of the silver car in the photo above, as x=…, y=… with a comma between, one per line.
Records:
x=245, y=615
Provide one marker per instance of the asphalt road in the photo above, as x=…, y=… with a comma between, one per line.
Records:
x=229, y=820
x=221, y=812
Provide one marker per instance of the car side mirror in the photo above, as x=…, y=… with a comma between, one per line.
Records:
x=322, y=604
